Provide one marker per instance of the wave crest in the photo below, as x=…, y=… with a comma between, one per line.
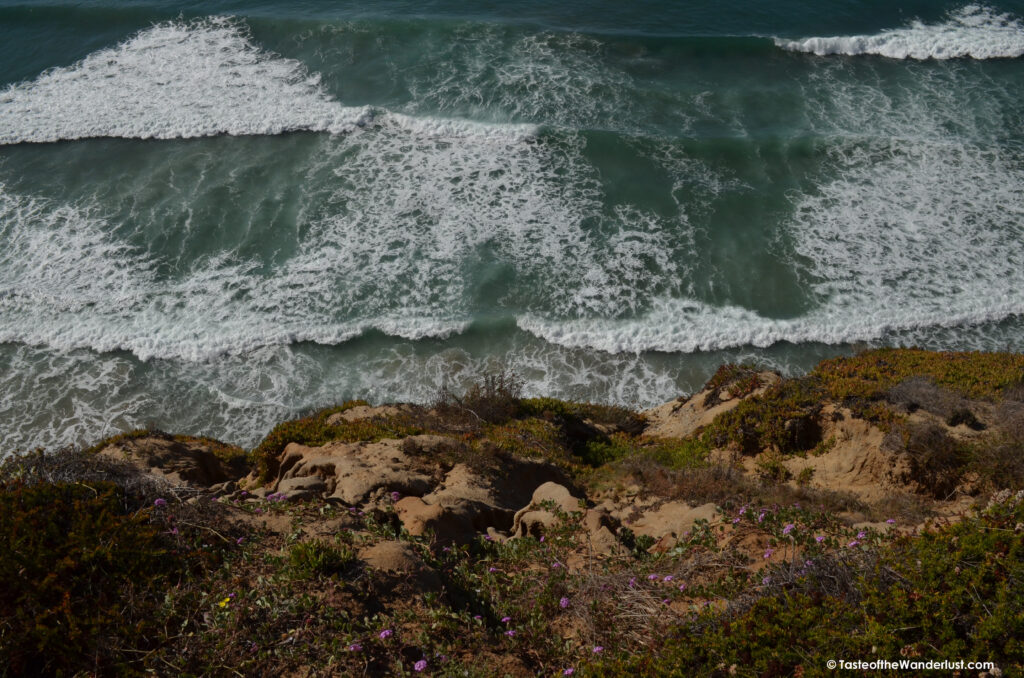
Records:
x=974, y=31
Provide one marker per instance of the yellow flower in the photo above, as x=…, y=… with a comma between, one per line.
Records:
x=224, y=603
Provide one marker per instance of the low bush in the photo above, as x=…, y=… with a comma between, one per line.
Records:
x=976, y=375
x=81, y=577
x=951, y=594
x=783, y=418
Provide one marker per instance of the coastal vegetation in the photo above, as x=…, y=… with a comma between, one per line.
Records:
x=491, y=534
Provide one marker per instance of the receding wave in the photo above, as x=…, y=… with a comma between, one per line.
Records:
x=974, y=31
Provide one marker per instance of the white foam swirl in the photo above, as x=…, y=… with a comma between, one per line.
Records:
x=973, y=31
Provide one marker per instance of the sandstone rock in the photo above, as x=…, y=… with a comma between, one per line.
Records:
x=350, y=472
x=392, y=556
x=672, y=518
x=533, y=520
x=305, y=487
x=446, y=523
x=180, y=462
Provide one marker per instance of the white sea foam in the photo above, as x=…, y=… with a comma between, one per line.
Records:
x=917, y=227
x=185, y=80
x=974, y=31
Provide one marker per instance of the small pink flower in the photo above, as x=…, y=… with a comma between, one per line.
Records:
x=569, y=671
x=506, y=619
x=555, y=565
x=861, y=535
x=420, y=665
x=385, y=634
x=598, y=649
x=819, y=539
x=766, y=581
x=542, y=539
x=743, y=509
x=768, y=553
x=853, y=543
x=652, y=577
x=395, y=497
x=355, y=647
x=492, y=569
x=160, y=502
x=665, y=602
x=239, y=541
x=632, y=582
x=735, y=520
x=510, y=633
x=682, y=587
x=668, y=577
x=788, y=528
x=563, y=603
x=890, y=521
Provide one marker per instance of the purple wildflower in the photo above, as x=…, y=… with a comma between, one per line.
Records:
x=555, y=565
x=160, y=502
x=632, y=582
x=492, y=569
x=510, y=633
x=890, y=521
x=743, y=509
x=506, y=619
x=682, y=586
x=239, y=541
x=668, y=577
x=819, y=539
x=385, y=634
x=542, y=539
x=598, y=649
x=766, y=581
x=735, y=520
x=355, y=647
x=788, y=528
x=861, y=534
x=420, y=665
x=563, y=603
x=652, y=577
x=569, y=671
x=853, y=543
x=768, y=553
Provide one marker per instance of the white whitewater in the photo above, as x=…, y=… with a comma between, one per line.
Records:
x=974, y=31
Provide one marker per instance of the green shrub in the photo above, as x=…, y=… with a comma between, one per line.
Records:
x=872, y=373
x=951, y=594
x=783, y=418
x=315, y=558
x=80, y=578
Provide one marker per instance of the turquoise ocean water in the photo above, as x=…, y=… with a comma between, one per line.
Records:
x=214, y=215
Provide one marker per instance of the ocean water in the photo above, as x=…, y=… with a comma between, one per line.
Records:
x=215, y=215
